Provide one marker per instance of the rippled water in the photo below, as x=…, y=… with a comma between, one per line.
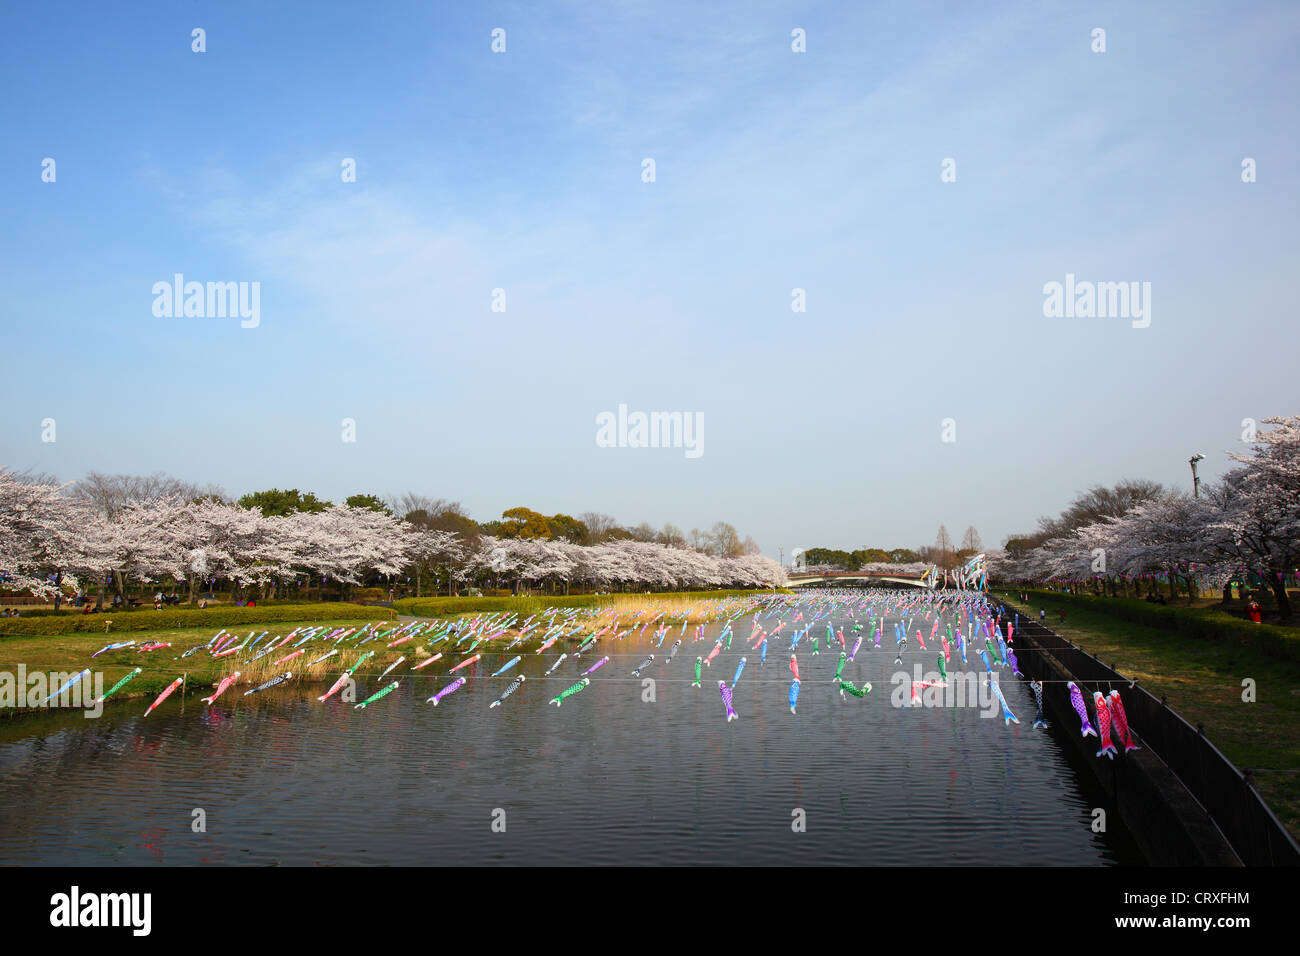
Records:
x=606, y=778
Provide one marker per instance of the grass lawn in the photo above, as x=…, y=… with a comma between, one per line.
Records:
x=1202, y=681
x=71, y=653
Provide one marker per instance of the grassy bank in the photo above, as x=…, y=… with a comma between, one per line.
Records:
x=70, y=651
x=1198, y=623
x=1202, y=680
x=442, y=606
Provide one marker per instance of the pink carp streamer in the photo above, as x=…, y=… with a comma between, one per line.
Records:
x=427, y=661
x=1103, y=724
x=466, y=663
x=1120, y=719
x=222, y=687
x=164, y=695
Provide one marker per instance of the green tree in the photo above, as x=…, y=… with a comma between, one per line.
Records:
x=1017, y=547
x=840, y=559
x=276, y=503
x=373, y=502
x=569, y=528
x=869, y=556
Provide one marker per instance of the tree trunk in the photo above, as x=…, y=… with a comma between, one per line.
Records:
x=1278, y=585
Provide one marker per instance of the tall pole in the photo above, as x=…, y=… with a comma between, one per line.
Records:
x=1196, y=481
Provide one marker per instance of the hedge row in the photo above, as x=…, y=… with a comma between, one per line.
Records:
x=151, y=620
x=443, y=606
x=1200, y=623
x=145, y=606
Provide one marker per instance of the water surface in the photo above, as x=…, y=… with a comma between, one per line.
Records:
x=606, y=778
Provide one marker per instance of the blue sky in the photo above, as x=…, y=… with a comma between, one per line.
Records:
x=774, y=170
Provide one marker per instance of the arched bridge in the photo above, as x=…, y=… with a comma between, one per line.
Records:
x=799, y=579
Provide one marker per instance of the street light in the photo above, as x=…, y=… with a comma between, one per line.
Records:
x=1196, y=481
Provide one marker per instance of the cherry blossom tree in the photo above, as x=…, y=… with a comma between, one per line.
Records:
x=34, y=532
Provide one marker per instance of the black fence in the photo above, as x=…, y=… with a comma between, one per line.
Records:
x=1228, y=795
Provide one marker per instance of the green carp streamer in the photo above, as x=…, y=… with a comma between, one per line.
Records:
x=566, y=694
x=848, y=685
x=120, y=684
x=375, y=696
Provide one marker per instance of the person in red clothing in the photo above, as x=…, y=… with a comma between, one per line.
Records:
x=1254, y=611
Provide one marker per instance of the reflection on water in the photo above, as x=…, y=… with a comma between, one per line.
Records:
x=607, y=778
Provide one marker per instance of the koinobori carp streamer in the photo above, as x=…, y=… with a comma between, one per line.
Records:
x=564, y=695
x=165, y=694
x=466, y=662
x=120, y=684
x=725, y=691
x=222, y=687
x=1040, y=721
x=1081, y=708
x=1007, y=716
x=513, y=686
x=506, y=666
x=378, y=695
x=113, y=647
x=273, y=682
x=851, y=688
x=1103, y=725
x=389, y=669
x=1120, y=719
x=76, y=679
x=451, y=688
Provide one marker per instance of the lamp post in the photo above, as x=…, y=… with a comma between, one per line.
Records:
x=1196, y=481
